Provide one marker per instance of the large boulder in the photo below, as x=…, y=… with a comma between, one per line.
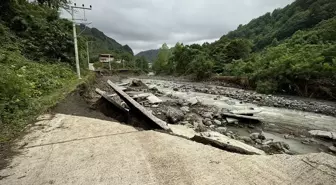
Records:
x=174, y=115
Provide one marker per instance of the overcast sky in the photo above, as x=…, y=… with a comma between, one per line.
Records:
x=147, y=24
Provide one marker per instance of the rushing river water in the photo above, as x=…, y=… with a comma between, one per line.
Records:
x=279, y=121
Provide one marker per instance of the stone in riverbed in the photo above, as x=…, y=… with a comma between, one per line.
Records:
x=208, y=115
x=246, y=139
x=207, y=121
x=221, y=130
x=323, y=134
x=256, y=135
x=174, y=115
x=276, y=148
x=200, y=127
x=332, y=149
x=217, y=122
x=184, y=109
x=193, y=101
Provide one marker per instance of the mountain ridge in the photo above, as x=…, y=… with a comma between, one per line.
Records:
x=101, y=43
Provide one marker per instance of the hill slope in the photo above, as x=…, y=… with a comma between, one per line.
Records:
x=283, y=23
x=102, y=43
x=150, y=55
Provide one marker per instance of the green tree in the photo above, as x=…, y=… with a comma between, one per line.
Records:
x=160, y=64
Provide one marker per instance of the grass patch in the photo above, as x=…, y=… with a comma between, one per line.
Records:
x=28, y=88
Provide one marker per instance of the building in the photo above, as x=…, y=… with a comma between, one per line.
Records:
x=106, y=58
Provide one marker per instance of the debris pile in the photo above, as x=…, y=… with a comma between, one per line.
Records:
x=210, y=125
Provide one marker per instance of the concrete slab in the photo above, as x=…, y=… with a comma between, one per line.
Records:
x=79, y=150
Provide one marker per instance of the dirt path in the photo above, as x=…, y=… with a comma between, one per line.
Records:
x=70, y=149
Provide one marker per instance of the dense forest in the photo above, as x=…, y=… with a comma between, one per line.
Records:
x=291, y=50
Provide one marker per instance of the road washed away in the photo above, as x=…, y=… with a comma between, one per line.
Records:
x=290, y=128
x=170, y=134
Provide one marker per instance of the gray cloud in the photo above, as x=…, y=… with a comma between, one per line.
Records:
x=146, y=24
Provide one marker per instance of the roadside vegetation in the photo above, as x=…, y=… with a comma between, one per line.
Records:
x=36, y=61
x=291, y=50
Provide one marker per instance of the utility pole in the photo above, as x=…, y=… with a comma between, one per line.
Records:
x=88, y=52
x=75, y=32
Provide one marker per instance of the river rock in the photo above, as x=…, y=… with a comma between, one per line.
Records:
x=137, y=83
x=332, y=149
x=192, y=101
x=207, y=115
x=207, y=121
x=246, y=139
x=152, y=99
x=323, y=134
x=221, y=130
x=217, y=122
x=277, y=148
x=200, y=127
x=254, y=136
x=184, y=109
x=174, y=115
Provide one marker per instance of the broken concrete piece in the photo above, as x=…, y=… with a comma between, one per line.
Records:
x=241, y=117
x=153, y=99
x=245, y=112
x=231, y=120
x=137, y=108
x=226, y=143
x=323, y=134
x=123, y=84
x=142, y=95
x=182, y=130
x=117, y=108
x=108, y=98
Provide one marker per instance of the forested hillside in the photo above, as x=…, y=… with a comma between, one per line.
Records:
x=291, y=50
x=150, y=55
x=102, y=43
x=36, y=61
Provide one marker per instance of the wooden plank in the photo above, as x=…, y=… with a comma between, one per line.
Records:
x=135, y=106
x=241, y=117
